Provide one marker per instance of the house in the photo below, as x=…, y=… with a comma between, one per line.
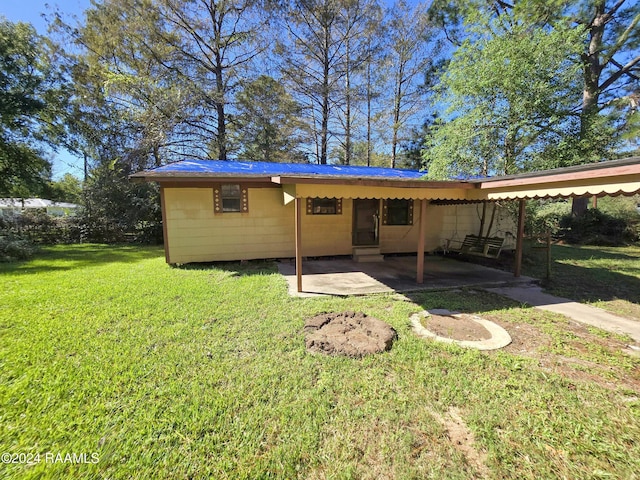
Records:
x=13, y=206
x=220, y=210
x=224, y=210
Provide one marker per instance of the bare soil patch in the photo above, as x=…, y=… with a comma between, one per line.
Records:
x=463, y=440
x=458, y=327
x=353, y=334
x=567, y=358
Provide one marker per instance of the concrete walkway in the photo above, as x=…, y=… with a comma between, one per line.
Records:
x=534, y=296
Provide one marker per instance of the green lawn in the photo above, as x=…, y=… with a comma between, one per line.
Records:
x=608, y=277
x=201, y=372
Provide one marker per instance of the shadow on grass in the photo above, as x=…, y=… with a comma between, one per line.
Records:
x=69, y=257
x=588, y=274
x=235, y=269
x=474, y=301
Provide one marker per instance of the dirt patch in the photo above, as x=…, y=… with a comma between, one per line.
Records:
x=463, y=440
x=572, y=357
x=353, y=334
x=458, y=327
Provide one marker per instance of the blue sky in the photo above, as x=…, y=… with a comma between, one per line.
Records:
x=31, y=11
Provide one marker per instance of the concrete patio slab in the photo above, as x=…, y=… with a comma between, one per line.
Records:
x=344, y=277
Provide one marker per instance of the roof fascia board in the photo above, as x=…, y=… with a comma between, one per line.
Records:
x=371, y=182
x=192, y=179
x=563, y=175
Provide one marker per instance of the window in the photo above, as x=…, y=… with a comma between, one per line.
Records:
x=324, y=206
x=397, y=211
x=231, y=197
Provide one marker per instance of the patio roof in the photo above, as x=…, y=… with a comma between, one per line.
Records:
x=614, y=177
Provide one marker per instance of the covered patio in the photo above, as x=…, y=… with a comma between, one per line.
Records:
x=616, y=177
x=344, y=276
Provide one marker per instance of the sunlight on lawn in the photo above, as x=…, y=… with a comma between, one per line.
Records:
x=202, y=372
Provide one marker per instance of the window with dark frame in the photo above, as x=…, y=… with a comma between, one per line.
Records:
x=397, y=211
x=230, y=198
x=324, y=206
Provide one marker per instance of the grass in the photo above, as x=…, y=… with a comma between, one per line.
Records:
x=202, y=372
x=607, y=277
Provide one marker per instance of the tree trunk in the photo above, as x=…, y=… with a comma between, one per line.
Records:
x=491, y=220
x=590, y=93
x=219, y=103
x=483, y=219
x=347, y=126
x=396, y=114
x=369, y=95
x=324, y=127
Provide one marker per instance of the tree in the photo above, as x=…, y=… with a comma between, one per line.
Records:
x=611, y=72
x=509, y=91
x=31, y=97
x=361, y=20
x=409, y=32
x=67, y=189
x=267, y=126
x=311, y=58
x=609, y=64
x=169, y=68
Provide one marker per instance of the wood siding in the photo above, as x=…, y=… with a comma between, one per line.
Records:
x=195, y=234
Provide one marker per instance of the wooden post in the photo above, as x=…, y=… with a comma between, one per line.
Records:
x=165, y=230
x=549, y=254
x=421, y=225
x=298, y=222
x=519, y=239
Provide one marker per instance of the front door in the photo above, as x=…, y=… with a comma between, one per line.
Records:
x=366, y=221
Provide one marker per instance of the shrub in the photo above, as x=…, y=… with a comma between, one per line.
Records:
x=548, y=217
x=616, y=221
x=597, y=227
x=14, y=248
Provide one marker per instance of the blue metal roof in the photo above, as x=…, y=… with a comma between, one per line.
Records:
x=268, y=169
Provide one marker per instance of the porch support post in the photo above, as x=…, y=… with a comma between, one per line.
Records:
x=421, y=226
x=519, y=239
x=298, y=222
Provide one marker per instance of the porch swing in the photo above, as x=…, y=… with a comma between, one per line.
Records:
x=479, y=246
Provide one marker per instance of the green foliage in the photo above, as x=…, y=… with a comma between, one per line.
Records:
x=598, y=227
x=580, y=112
x=15, y=248
x=268, y=126
x=38, y=227
x=509, y=90
x=546, y=216
x=615, y=221
x=31, y=96
x=67, y=189
x=116, y=210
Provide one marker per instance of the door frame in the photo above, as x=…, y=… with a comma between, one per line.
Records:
x=375, y=227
